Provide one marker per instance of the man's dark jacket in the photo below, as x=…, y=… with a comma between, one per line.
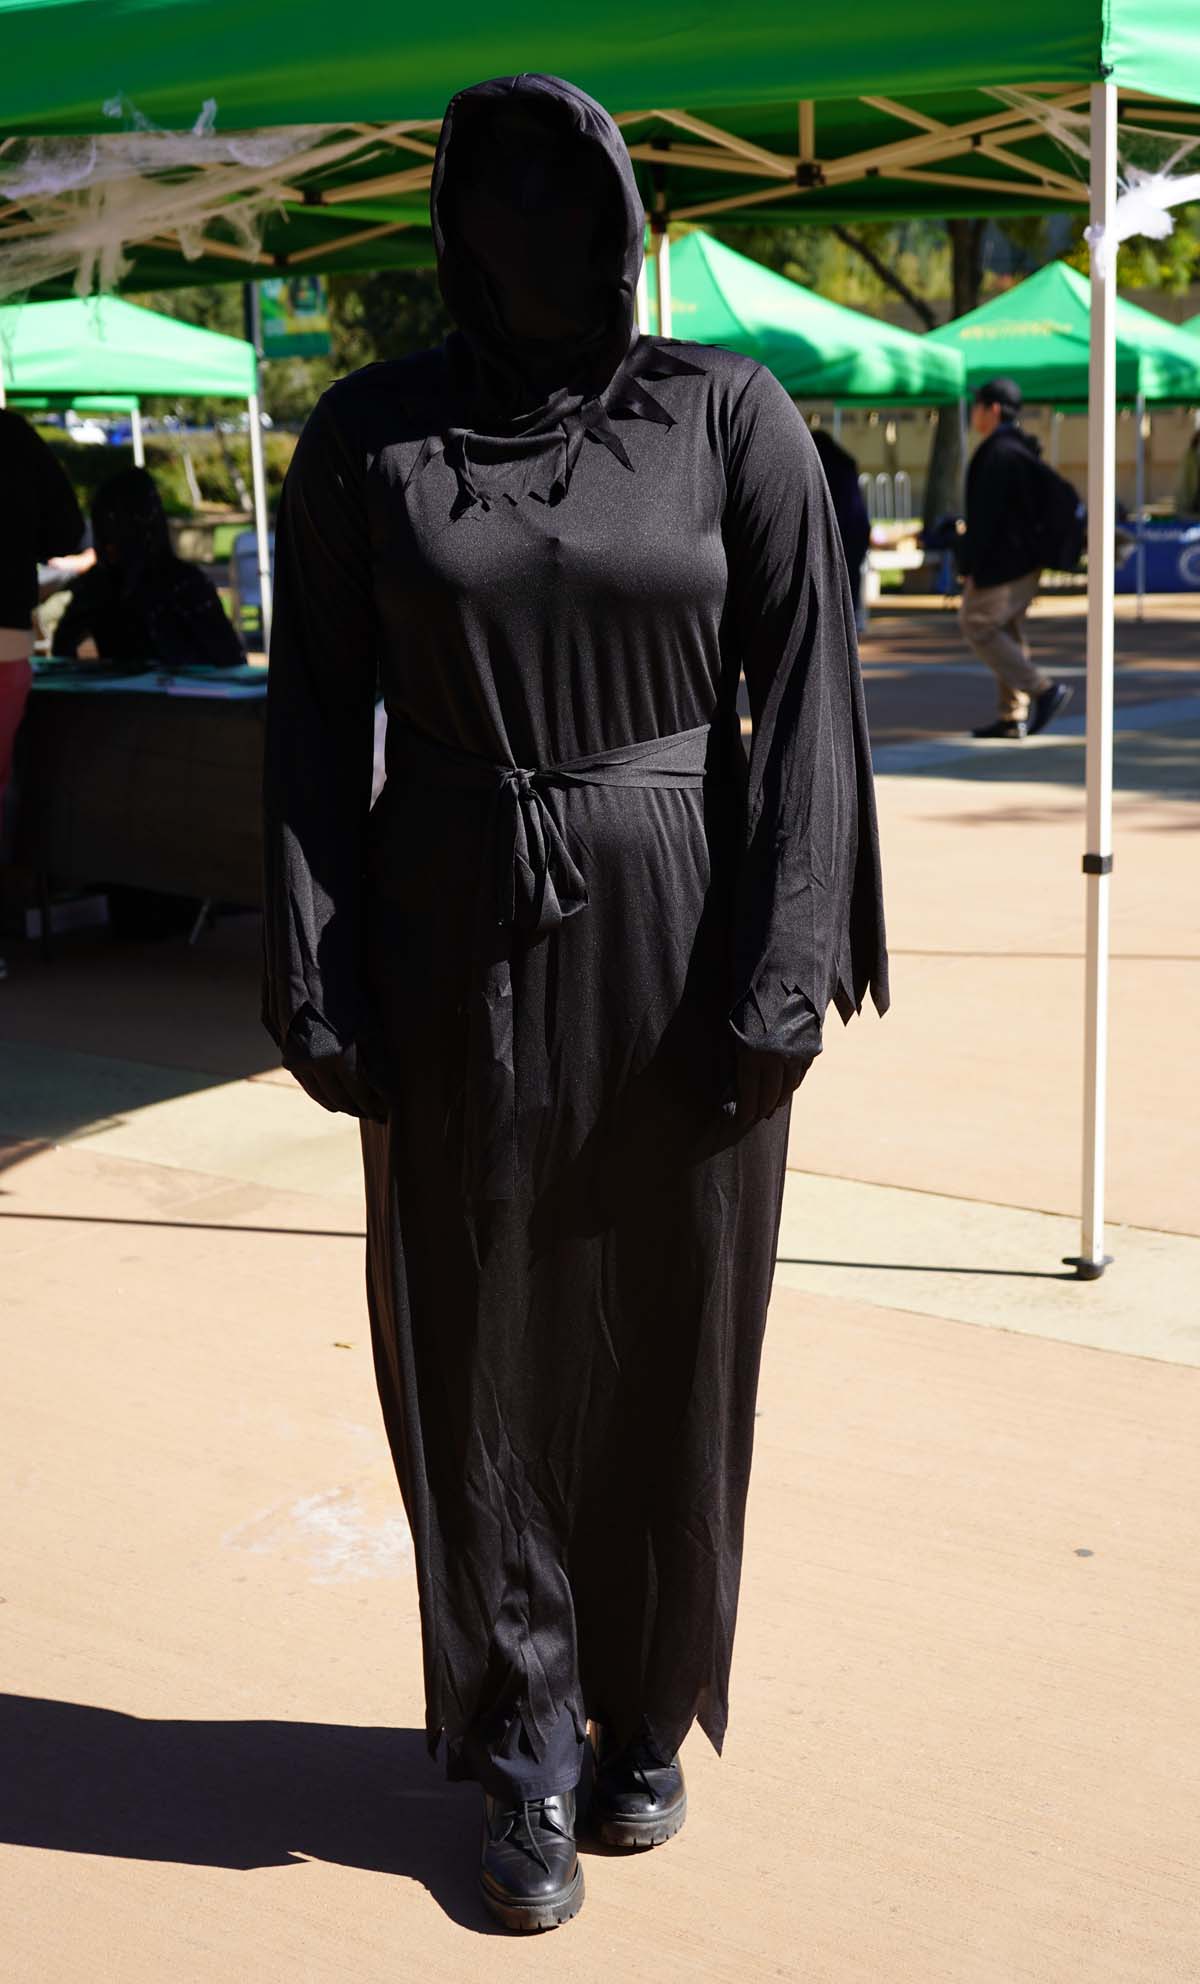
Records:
x=1009, y=492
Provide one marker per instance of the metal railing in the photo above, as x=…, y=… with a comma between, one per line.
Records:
x=887, y=497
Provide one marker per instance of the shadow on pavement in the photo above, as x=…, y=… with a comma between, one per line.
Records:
x=1167, y=765
x=102, y=1029
x=192, y=1010
x=926, y=1267
x=237, y=1794
x=177, y=1225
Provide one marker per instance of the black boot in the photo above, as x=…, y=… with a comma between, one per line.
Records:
x=531, y=1877
x=636, y=1800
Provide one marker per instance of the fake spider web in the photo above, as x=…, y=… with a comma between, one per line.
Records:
x=73, y=207
x=1157, y=169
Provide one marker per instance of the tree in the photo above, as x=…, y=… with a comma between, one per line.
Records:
x=965, y=239
x=385, y=315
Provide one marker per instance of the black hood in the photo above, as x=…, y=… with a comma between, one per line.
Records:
x=538, y=227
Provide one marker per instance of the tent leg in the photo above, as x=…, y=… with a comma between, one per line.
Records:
x=259, y=472
x=1097, y=860
x=139, y=439
x=642, y=301
x=1139, y=501
x=837, y=423
x=662, y=273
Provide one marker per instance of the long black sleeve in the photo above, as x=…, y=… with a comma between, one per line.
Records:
x=809, y=920
x=320, y=732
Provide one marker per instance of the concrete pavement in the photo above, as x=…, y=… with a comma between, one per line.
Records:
x=966, y=1677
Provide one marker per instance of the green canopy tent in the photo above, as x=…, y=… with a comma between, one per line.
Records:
x=753, y=117
x=1039, y=332
x=817, y=350
x=279, y=64
x=745, y=112
x=103, y=347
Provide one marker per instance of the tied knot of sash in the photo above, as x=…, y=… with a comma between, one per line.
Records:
x=530, y=884
x=538, y=881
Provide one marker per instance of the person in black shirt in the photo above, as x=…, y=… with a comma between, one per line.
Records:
x=1001, y=558
x=38, y=518
x=140, y=602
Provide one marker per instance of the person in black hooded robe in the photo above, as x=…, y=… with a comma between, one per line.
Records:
x=572, y=965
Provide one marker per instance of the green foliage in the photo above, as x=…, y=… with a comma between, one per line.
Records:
x=385, y=315
x=918, y=250
x=88, y=467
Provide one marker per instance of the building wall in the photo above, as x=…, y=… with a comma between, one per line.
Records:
x=889, y=441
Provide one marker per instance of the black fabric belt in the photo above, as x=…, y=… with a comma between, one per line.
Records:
x=529, y=882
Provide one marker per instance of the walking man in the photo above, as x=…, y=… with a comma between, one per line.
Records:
x=1011, y=494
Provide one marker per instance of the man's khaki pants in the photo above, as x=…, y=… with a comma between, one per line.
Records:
x=992, y=619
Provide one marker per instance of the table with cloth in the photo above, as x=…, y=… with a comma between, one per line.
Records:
x=150, y=781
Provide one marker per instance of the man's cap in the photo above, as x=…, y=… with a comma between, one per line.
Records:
x=1004, y=393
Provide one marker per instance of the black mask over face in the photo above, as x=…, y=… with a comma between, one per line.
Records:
x=538, y=227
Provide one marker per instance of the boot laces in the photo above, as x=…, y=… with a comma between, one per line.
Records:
x=640, y=1759
x=519, y=1823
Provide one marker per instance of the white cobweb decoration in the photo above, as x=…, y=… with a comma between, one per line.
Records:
x=75, y=206
x=1151, y=174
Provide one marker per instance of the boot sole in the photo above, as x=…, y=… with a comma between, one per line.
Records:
x=526, y=1917
x=641, y=1832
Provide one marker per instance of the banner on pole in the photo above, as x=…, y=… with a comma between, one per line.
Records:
x=295, y=317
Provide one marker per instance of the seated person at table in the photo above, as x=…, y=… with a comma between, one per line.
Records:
x=140, y=602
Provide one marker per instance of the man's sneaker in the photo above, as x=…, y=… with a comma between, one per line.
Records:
x=1004, y=726
x=1044, y=708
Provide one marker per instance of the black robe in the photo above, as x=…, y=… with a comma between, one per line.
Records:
x=531, y=984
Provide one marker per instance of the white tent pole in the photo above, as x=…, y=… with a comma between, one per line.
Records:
x=139, y=438
x=1097, y=860
x=642, y=300
x=259, y=473
x=1139, y=499
x=837, y=423
x=1055, y=443
x=662, y=272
